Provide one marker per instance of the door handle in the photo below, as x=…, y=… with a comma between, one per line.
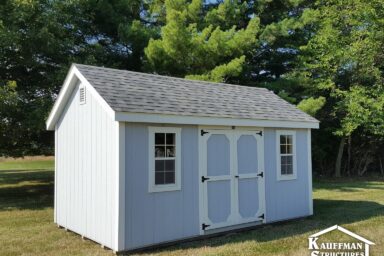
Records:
x=204, y=178
x=236, y=176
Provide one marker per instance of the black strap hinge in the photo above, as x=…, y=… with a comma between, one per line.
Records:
x=202, y=132
x=261, y=216
x=204, y=178
x=260, y=133
x=204, y=226
x=261, y=174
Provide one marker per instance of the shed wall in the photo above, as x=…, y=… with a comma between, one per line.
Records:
x=161, y=216
x=85, y=199
x=286, y=199
x=165, y=216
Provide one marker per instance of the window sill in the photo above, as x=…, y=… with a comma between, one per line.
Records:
x=163, y=188
x=287, y=177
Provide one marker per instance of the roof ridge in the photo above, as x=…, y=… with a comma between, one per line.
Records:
x=172, y=77
x=137, y=92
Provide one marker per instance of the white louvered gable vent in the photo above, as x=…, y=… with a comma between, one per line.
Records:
x=82, y=95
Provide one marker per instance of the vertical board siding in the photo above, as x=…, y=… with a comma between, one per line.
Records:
x=86, y=169
x=286, y=199
x=160, y=216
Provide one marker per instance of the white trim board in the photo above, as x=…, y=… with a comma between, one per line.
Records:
x=309, y=149
x=70, y=82
x=120, y=187
x=217, y=121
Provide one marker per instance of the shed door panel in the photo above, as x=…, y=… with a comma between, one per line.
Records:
x=232, y=186
x=219, y=183
x=248, y=179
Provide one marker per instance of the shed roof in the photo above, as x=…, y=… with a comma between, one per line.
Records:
x=134, y=92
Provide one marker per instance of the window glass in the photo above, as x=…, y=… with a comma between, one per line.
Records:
x=286, y=154
x=165, y=158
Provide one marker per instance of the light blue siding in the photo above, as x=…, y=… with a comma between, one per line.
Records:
x=153, y=218
x=286, y=199
x=164, y=216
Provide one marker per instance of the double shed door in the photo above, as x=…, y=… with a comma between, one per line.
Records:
x=231, y=177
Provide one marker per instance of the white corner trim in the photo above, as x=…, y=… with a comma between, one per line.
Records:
x=292, y=176
x=120, y=187
x=151, y=159
x=69, y=84
x=56, y=169
x=309, y=148
x=216, y=121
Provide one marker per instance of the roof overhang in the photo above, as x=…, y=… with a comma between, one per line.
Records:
x=222, y=121
x=73, y=77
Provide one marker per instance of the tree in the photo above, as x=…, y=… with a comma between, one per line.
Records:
x=39, y=39
x=343, y=61
x=191, y=48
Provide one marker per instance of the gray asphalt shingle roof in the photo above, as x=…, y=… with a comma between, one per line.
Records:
x=127, y=91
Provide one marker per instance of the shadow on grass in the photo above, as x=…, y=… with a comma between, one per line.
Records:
x=26, y=189
x=34, y=176
x=327, y=213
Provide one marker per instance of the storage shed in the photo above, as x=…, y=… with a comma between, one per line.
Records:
x=144, y=159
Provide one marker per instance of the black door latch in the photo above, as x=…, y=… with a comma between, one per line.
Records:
x=204, y=226
x=204, y=178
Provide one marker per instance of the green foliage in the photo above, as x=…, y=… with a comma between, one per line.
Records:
x=39, y=39
x=219, y=73
x=343, y=60
x=227, y=14
x=311, y=105
x=325, y=56
x=187, y=48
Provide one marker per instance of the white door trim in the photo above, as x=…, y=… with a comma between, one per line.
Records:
x=232, y=135
x=260, y=162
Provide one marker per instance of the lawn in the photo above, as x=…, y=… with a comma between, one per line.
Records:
x=27, y=228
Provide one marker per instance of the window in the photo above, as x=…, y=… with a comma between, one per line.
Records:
x=164, y=159
x=82, y=95
x=286, y=155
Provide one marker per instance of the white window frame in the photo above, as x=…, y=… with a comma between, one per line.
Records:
x=152, y=187
x=293, y=176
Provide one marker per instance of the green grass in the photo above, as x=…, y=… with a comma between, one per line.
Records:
x=37, y=163
x=26, y=219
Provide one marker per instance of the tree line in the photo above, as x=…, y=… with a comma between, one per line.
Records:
x=326, y=57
